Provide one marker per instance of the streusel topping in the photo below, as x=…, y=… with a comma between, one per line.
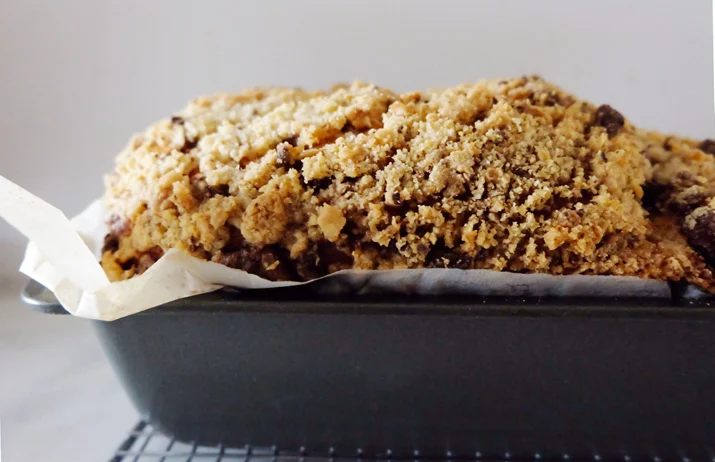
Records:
x=512, y=175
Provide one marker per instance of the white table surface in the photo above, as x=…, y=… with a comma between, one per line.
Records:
x=59, y=399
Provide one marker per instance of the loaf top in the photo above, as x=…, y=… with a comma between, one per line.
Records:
x=509, y=175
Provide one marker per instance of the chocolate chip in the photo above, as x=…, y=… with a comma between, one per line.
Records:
x=218, y=190
x=566, y=100
x=396, y=198
x=195, y=174
x=401, y=208
x=188, y=145
x=441, y=256
x=653, y=195
x=155, y=252
x=478, y=117
x=319, y=185
x=553, y=98
x=666, y=144
x=352, y=231
x=118, y=227
x=385, y=252
x=466, y=194
x=520, y=171
x=176, y=120
x=243, y=259
x=240, y=254
x=609, y=118
x=430, y=201
x=708, y=146
x=421, y=230
x=235, y=241
x=323, y=258
x=111, y=243
x=306, y=265
x=332, y=257
x=684, y=203
x=702, y=235
x=128, y=264
x=283, y=271
x=347, y=127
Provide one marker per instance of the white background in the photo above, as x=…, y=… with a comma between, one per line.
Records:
x=78, y=77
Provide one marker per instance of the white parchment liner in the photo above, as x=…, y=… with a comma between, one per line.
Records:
x=63, y=256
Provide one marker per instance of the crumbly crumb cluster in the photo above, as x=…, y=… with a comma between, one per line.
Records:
x=510, y=175
x=683, y=186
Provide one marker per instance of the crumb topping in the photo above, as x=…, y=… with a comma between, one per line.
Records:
x=509, y=175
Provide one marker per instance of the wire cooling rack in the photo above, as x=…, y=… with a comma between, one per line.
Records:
x=146, y=444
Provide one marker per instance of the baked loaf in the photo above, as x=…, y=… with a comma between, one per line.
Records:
x=510, y=175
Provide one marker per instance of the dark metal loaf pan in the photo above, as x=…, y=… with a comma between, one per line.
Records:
x=464, y=377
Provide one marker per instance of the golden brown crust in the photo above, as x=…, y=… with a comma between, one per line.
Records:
x=512, y=175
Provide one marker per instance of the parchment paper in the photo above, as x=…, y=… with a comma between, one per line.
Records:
x=63, y=255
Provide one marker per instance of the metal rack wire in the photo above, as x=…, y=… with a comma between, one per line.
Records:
x=145, y=444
